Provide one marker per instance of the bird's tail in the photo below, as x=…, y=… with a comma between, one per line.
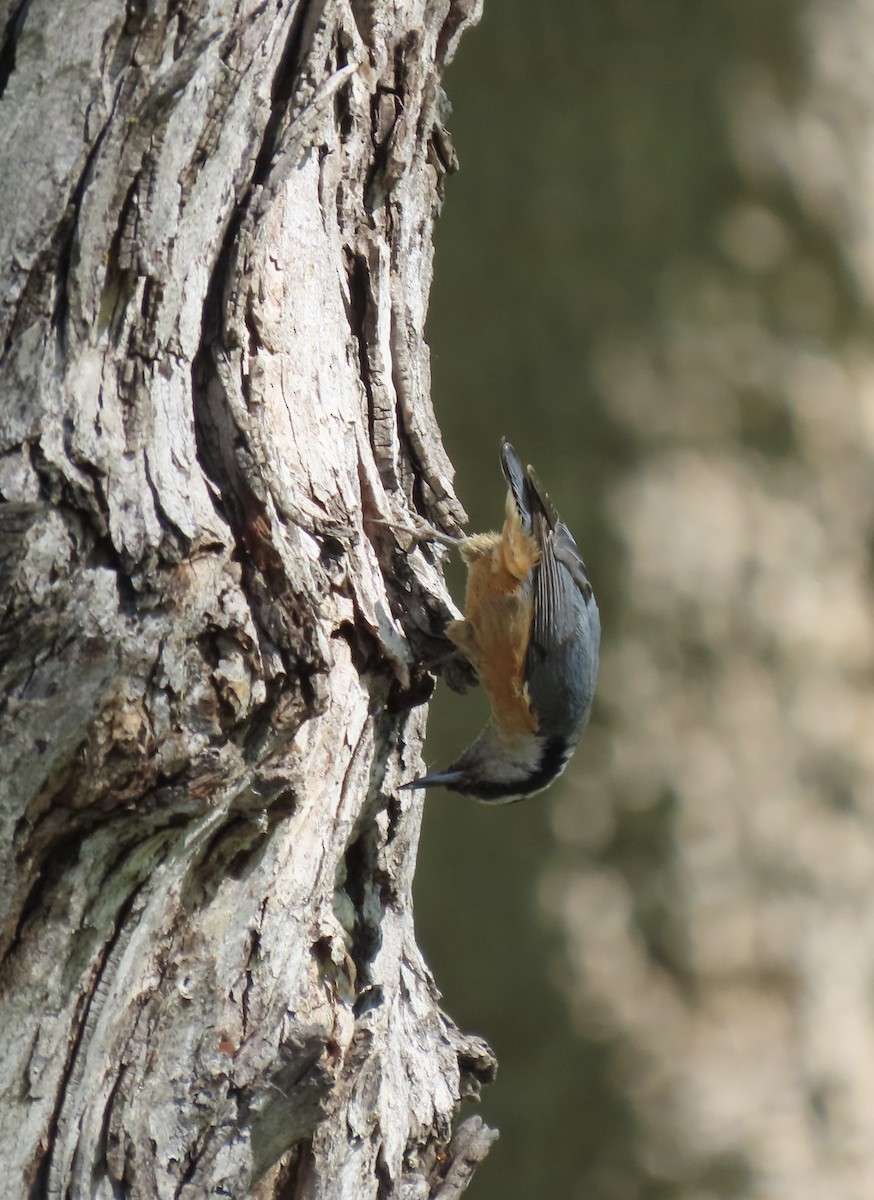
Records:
x=528, y=494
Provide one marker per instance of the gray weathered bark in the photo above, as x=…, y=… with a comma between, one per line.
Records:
x=215, y=240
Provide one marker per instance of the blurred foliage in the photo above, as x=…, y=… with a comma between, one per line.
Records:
x=654, y=275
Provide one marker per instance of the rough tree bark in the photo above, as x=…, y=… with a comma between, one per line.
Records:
x=215, y=245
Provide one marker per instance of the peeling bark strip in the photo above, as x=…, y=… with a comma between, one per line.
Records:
x=215, y=239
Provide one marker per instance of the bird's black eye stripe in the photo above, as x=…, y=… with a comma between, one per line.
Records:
x=553, y=760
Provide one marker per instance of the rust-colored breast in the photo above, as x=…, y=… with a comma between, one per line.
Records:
x=497, y=626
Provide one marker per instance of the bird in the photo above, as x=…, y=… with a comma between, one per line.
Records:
x=531, y=631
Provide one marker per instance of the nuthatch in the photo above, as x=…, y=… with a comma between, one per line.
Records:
x=531, y=630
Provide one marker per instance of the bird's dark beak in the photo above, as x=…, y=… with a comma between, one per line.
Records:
x=438, y=779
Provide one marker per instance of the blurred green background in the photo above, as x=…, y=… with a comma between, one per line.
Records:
x=574, y=183
x=651, y=276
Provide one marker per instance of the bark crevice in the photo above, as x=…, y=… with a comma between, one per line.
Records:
x=213, y=623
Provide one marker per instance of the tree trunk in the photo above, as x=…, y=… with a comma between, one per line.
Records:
x=215, y=239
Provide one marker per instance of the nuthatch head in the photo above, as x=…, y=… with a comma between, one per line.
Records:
x=531, y=631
